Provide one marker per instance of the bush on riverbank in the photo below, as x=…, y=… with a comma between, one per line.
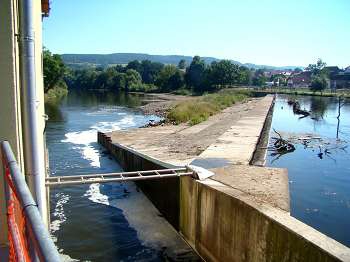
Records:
x=56, y=93
x=199, y=109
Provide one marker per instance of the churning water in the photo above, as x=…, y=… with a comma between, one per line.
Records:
x=102, y=222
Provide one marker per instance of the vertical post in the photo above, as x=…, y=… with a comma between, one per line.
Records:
x=35, y=175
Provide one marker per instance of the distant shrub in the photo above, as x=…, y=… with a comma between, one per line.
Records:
x=197, y=110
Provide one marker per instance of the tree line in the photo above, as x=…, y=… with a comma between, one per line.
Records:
x=150, y=76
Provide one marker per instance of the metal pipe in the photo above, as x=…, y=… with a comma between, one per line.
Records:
x=35, y=178
x=125, y=174
x=38, y=233
x=109, y=180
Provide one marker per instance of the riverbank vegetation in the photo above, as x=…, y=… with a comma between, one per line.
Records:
x=194, y=79
x=54, y=71
x=199, y=109
x=147, y=76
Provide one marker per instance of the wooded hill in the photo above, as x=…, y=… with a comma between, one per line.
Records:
x=85, y=60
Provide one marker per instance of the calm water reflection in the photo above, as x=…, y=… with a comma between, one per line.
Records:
x=102, y=222
x=319, y=186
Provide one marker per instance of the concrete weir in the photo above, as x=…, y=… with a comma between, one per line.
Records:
x=241, y=213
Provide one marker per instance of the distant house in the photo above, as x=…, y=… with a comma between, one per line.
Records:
x=302, y=79
x=332, y=70
x=287, y=73
x=270, y=84
x=340, y=80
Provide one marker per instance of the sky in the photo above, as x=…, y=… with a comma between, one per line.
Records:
x=269, y=32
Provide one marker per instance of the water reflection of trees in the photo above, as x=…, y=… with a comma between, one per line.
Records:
x=52, y=109
x=318, y=107
x=97, y=98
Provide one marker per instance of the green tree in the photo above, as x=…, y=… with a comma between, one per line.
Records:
x=54, y=69
x=132, y=79
x=136, y=65
x=182, y=64
x=244, y=75
x=195, y=74
x=176, y=81
x=164, y=76
x=318, y=83
x=149, y=71
x=259, y=78
x=222, y=73
x=316, y=68
x=119, y=81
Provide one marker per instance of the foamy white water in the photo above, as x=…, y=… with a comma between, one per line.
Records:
x=94, y=194
x=58, y=217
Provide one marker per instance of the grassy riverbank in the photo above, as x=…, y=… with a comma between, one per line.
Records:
x=199, y=109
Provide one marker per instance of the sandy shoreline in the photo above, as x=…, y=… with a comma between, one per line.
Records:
x=159, y=104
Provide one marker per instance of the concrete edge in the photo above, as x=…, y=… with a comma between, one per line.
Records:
x=291, y=224
x=102, y=136
x=259, y=155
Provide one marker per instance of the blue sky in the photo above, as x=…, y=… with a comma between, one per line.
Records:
x=271, y=32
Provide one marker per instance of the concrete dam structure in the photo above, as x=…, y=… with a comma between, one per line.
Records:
x=241, y=212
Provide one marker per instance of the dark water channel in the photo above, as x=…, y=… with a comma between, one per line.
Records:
x=319, y=170
x=102, y=222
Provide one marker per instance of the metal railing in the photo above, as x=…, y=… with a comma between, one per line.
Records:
x=28, y=236
x=119, y=177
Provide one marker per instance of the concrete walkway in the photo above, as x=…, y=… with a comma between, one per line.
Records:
x=181, y=144
x=237, y=145
x=225, y=144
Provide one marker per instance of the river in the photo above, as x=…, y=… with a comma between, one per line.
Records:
x=102, y=222
x=319, y=171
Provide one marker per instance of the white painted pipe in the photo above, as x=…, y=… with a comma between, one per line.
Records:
x=34, y=176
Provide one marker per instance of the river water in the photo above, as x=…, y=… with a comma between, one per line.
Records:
x=319, y=184
x=102, y=222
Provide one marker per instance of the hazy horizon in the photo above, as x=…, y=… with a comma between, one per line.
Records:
x=274, y=33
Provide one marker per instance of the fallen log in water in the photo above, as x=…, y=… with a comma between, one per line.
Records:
x=282, y=145
x=298, y=111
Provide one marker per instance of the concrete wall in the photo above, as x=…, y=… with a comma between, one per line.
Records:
x=221, y=225
x=10, y=126
x=164, y=194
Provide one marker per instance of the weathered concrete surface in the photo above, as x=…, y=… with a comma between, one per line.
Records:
x=180, y=145
x=272, y=190
x=225, y=139
x=221, y=224
x=237, y=145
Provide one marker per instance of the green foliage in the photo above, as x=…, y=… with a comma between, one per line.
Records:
x=318, y=83
x=132, y=78
x=195, y=74
x=150, y=71
x=316, y=68
x=182, y=64
x=198, y=109
x=54, y=69
x=146, y=75
x=56, y=93
x=170, y=78
x=221, y=74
